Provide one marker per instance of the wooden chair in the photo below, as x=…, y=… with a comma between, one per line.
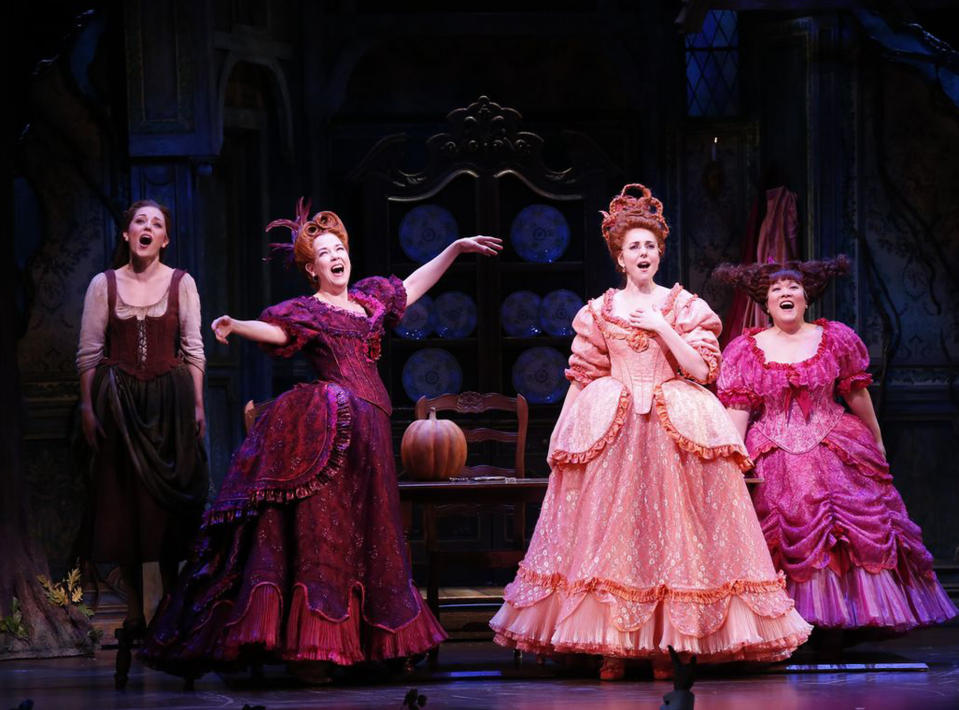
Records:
x=475, y=403
x=251, y=410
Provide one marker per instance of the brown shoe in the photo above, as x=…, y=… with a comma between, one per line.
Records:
x=613, y=668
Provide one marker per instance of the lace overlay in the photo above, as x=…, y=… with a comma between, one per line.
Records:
x=647, y=537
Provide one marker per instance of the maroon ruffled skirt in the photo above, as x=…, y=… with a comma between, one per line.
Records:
x=302, y=557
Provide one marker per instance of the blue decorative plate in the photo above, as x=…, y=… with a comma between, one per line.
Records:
x=519, y=314
x=417, y=322
x=427, y=230
x=540, y=234
x=431, y=372
x=455, y=315
x=557, y=311
x=539, y=375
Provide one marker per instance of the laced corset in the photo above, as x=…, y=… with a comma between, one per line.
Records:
x=640, y=370
x=144, y=347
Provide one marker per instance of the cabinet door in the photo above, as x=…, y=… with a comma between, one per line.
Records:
x=497, y=324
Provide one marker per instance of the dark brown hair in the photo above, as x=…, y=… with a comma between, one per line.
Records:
x=755, y=279
x=121, y=255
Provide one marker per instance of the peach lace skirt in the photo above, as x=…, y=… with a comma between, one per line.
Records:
x=648, y=545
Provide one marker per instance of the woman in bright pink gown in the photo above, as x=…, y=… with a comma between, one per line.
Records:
x=647, y=537
x=833, y=520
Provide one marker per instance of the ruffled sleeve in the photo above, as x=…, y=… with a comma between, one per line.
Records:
x=389, y=291
x=734, y=386
x=297, y=321
x=851, y=355
x=589, y=358
x=700, y=327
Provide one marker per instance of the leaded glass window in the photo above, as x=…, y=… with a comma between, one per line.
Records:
x=712, y=66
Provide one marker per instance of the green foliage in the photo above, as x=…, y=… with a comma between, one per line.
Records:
x=13, y=624
x=67, y=592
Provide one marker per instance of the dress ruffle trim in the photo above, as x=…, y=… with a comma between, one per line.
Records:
x=732, y=451
x=298, y=336
x=311, y=636
x=696, y=612
x=307, y=634
x=740, y=399
x=712, y=362
x=774, y=377
x=593, y=585
x=862, y=599
x=340, y=422
x=570, y=458
x=810, y=361
x=847, y=385
x=578, y=373
x=742, y=636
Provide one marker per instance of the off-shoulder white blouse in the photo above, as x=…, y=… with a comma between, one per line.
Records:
x=93, y=325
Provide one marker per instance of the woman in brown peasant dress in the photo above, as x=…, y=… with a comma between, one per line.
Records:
x=141, y=367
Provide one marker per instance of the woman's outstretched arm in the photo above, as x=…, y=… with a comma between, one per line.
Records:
x=255, y=330
x=425, y=277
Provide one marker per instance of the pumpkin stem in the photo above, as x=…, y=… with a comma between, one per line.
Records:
x=433, y=414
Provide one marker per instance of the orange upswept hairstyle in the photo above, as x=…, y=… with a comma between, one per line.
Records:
x=300, y=250
x=630, y=212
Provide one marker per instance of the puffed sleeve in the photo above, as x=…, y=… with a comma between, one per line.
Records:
x=389, y=291
x=700, y=327
x=93, y=324
x=734, y=387
x=191, y=342
x=297, y=321
x=589, y=358
x=853, y=358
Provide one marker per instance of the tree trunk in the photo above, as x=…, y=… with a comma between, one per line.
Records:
x=53, y=630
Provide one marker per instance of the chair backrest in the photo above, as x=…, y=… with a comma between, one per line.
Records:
x=251, y=411
x=479, y=403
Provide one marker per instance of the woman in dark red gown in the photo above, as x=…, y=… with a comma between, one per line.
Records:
x=302, y=557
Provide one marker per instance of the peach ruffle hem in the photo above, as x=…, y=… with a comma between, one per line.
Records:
x=744, y=635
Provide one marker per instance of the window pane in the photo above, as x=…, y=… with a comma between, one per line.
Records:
x=712, y=66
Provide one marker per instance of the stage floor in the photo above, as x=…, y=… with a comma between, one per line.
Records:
x=480, y=675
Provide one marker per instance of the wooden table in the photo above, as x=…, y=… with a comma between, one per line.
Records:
x=464, y=492
x=529, y=490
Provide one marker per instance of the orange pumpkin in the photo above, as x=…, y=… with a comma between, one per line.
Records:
x=433, y=449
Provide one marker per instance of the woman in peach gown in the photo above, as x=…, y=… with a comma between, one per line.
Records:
x=647, y=537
